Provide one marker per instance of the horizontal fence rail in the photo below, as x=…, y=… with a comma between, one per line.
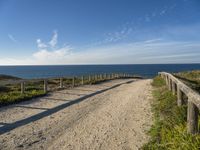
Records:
x=193, y=100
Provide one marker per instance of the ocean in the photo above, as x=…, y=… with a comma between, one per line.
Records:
x=145, y=70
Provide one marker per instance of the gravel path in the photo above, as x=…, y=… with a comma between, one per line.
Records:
x=112, y=115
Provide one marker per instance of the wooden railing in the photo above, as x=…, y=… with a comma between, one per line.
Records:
x=82, y=80
x=193, y=100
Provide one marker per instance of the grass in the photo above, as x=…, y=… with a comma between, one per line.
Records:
x=169, y=129
x=11, y=93
x=7, y=77
x=16, y=96
x=191, y=78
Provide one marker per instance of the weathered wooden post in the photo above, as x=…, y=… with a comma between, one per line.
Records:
x=22, y=87
x=104, y=76
x=179, y=96
x=166, y=80
x=173, y=87
x=170, y=84
x=45, y=85
x=95, y=77
x=82, y=80
x=192, y=118
x=89, y=78
x=121, y=75
x=61, y=82
x=73, y=81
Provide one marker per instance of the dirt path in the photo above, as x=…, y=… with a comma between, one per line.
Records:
x=111, y=115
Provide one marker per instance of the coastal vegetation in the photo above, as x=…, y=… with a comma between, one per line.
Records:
x=191, y=78
x=11, y=93
x=169, y=128
x=8, y=77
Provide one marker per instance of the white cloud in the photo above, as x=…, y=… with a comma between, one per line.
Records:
x=40, y=44
x=153, y=40
x=151, y=51
x=115, y=36
x=11, y=37
x=51, y=57
x=54, y=39
x=51, y=44
x=48, y=53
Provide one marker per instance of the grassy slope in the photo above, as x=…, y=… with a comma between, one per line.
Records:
x=8, y=77
x=169, y=129
x=191, y=78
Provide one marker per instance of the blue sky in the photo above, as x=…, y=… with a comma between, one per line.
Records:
x=42, y=32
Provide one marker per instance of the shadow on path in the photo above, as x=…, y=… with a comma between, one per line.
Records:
x=8, y=127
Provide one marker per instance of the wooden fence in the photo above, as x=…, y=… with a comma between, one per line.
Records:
x=193, y=100
x=89, y=79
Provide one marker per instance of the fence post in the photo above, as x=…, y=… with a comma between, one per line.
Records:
x=104, y=76
x=82, y=80
x=170, y=84
x=173, y=88
x=73, y=81
x=192, y=118
x=89, y=78
x=166, y=80
x=45, y=86
x=22, y=87
x=179, y=96
x=61, y=82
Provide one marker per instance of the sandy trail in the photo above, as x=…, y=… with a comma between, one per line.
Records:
x=111, y=115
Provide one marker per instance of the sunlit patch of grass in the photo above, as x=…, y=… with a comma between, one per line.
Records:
x=191, y=78
x=16, y=96
x=169, y=128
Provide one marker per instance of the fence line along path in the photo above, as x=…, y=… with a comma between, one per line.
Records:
x=75, y=80
x=193, y=99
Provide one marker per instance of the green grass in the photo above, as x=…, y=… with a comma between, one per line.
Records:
x=169, y=128
x=16, y=96
x=11, y=93
x=191, y=78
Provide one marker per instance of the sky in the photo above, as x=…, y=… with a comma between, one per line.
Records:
x=61, y=32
